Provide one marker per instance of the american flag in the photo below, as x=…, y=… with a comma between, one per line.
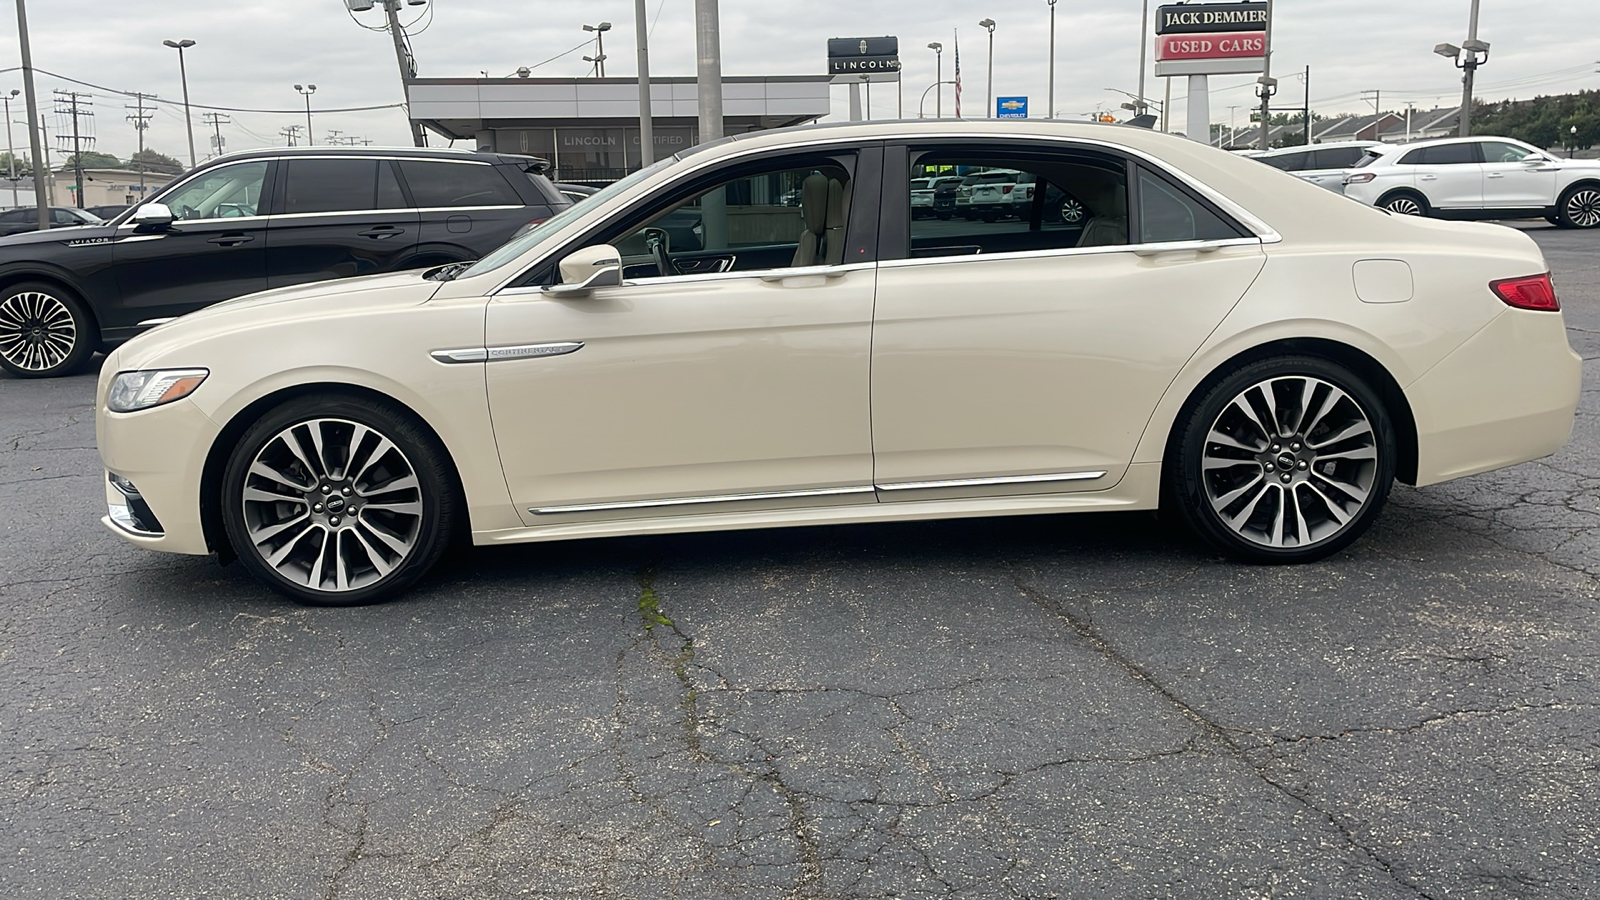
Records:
x=958, y=73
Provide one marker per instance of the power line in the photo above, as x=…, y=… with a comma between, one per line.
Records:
x=280, y=112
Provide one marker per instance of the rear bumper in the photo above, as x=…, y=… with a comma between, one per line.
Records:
x=1506, y=396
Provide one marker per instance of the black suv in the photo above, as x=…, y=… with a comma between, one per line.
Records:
x=250, y=221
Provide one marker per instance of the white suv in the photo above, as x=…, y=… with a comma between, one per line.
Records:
x=1478, y=178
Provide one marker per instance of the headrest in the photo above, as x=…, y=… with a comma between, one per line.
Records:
x=814, y=202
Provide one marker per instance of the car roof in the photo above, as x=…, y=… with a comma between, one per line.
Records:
x=1474, y=139
x=1331, y=145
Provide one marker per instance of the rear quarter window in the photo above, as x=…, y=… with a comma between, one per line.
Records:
x=442, y=183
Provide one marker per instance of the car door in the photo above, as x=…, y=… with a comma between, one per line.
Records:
x=1450, y=176
x=741, y=385
x=1326, y=167
x=1026, y=357
x=214, y=249
x=337, y=217
x=17, y=221
x=1517, y=177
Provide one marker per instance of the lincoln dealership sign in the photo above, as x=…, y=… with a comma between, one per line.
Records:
x=875, y=58
x=1211, y=38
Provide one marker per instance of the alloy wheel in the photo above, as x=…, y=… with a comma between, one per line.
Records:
x=1289, y=462
x=332, y=505
x=1071, y=211
x=1404, y=206
x=37, y=331
x=1583, y=208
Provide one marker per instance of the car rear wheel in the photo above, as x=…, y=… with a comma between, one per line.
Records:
x=338, y=501
x=1580, y=207
x=44, y=331
x=1285, y=460
x=1405, y=203
x=1072, y=211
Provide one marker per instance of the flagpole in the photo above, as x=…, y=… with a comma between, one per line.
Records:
x=956, y=39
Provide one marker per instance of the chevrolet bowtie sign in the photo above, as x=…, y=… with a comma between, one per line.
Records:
x=870, y=59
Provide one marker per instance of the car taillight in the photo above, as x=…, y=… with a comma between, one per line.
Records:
x=1007, y=189
x=1359, y=178
x=1536, y=292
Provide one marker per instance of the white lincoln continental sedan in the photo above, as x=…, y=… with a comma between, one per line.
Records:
x=691, y=350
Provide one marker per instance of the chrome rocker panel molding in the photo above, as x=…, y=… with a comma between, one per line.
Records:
x=496, y=354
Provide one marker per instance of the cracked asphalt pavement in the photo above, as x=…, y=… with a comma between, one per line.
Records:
x=1050, y=707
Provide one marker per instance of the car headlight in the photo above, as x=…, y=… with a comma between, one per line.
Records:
x=132, y=391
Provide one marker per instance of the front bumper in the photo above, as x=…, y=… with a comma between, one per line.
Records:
x=158, y=454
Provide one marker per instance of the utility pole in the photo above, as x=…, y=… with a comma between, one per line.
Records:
x=647, y=139
x=39, y=198
x=216, y=121
x=290, y=133
x=708, y=75
x=408, y=66
x=1471, y=50
x=11, y=148
x=49, y=167
x=1308, y=106
x=140, y=117
x=77, y=106
x=1050, y=108
x=1144, y=46
x=1266, y=85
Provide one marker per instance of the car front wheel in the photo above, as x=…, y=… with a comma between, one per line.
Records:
x=338, y=501
x=1285, y=460
x=1580, y=207
x=44, y=331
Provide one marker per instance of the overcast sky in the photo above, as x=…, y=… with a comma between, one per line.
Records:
x=250, y=53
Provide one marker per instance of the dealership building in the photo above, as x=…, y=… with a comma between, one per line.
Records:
x=588, y=128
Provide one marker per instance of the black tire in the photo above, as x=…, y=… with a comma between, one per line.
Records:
x=991, y=217
x=943, y=216
x=1579, y=207
x=1405, y=203
x=45, y=331
x=1316, y=496
x=363, y=540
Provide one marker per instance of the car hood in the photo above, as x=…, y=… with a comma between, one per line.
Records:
x=343, y=298
x=57, y=236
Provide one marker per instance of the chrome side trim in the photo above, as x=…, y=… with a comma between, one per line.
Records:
x=151, y=323
x=463, y=355
x=1135, y=249
x=754, y=274
x=986, y=482
x=492, y=354
x=689, y=501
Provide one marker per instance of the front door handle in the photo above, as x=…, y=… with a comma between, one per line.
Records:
x=231, y=240
x=1428, y=177
x=382, y=231
x=1497, y=174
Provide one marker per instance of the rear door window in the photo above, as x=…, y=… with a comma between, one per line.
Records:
x=450, y=184
x=1450, y=155
x=334, y=185
x=1167, y=213
x=1335, y=157
x=1289, y=162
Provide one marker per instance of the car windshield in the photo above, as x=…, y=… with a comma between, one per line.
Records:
x=514, y=248
x=919, y=184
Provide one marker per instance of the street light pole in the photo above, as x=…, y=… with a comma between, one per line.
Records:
x=922, y=103
x=600, y=45
x=183, y=72
x=1051, y=107
x=1471, y=70
x=1144, y=45
x=989, y=24
x=306, y=91
x=39, y=198
x=938, y=99
x=647, y=140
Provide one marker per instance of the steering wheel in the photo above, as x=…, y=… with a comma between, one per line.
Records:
x=658, y=241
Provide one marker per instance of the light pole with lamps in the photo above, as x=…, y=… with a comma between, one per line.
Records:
x=1467, y=58
x=989, y=25
x=1144, y=44
x=600, y=46
x=1051, y=107
x=183, y=72
x=11, y=149
x=938, y=99
x=306, y=91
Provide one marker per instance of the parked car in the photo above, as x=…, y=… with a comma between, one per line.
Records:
x=1264, y=359
x=1478, y=178
x=1059, y=206
x=575, y=192
x=107, y=213
x=1324, y=165
x=990, y=195
x=26, y=219
x=925, y=190
x=971, y=183
x=249, y=221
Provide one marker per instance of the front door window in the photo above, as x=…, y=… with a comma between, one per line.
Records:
x=227, y=192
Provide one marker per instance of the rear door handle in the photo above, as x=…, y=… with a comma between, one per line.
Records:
x=1428, y=177
x=231, y=240
x=382, y=231
x=1497, y=174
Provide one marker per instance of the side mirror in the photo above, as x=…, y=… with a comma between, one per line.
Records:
x=151, y=217
x=584, y=270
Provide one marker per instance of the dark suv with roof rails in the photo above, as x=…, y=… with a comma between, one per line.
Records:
x=253, y=221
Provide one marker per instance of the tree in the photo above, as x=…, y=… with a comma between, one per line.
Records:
x=94, y=160
x=156, y=162
x=24, y=167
